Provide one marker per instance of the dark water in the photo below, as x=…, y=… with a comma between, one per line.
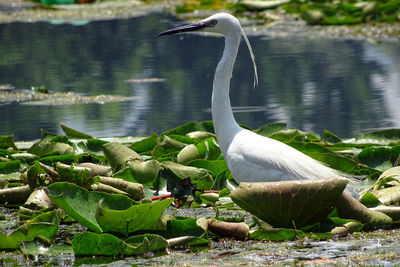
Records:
x=311, y=84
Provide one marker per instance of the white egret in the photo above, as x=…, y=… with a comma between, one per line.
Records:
x=250, y=157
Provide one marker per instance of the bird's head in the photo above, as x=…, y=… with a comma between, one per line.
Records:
x=218, y=23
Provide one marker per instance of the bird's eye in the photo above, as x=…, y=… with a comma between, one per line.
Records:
x=213, y=22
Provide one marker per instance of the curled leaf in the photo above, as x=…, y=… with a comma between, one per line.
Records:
x=290, y=203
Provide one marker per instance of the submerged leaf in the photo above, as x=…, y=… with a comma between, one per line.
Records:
x=146, y=243
x=184, y=227
x=276, y=234
x=44, y=226
x=91, y=244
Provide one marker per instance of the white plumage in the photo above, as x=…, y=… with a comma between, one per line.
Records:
x=250, y=157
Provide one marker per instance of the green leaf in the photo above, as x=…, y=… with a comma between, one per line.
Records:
x=92, y=244
x=52, y=145
x=330, y=137
x=209, y=198
x=10, y=166
x=224, y=193
x=81, y=204
x=36, y=248
x=146, y=243
x=140, y=172
x=120, y=156
x=187, y=154
x=201, y=177
x=380, y=158
x=167, y=146
x=44, y=226
x=332, y=159
x=380, y=137
x=183, y=227
x=276, y=234
x=79, y=175
x=206, y=126
x=145, y=145
x=214, y=166
x=370, y=200
x=73, y=133
x=209, y=149
x=33, y=175
x=294, y=135
x=271, y=128
x=132, y=219
x=290, y=204
x=92, y=146
x=7, y=141
x=56, y=2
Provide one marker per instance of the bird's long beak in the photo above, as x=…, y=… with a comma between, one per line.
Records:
x=185, y=28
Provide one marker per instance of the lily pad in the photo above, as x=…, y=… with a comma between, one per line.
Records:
x=73, y=133
x=145, y=145
x=10, y=166
x=201, y=177
x=132, y=219
x=290, y=204
x=44, y=226
x=380, y=158
x=91, y=244
x=119, y=155
x=81, y=204
x=167, y=146
x=184, y=227
x=140, y=172
x=7, y=141
x=380, y=137
x=270, y=128
x=206, y=126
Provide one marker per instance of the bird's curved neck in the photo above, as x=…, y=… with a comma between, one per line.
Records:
x=224, y=123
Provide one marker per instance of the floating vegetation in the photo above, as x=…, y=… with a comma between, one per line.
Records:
x=311, y=11
x=345, y=12
x=41, y=96
x=146, y=80
x=129, y=192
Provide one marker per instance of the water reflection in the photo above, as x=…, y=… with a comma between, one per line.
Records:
x=343, y=86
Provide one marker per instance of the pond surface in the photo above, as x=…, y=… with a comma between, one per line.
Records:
x=345, y=86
